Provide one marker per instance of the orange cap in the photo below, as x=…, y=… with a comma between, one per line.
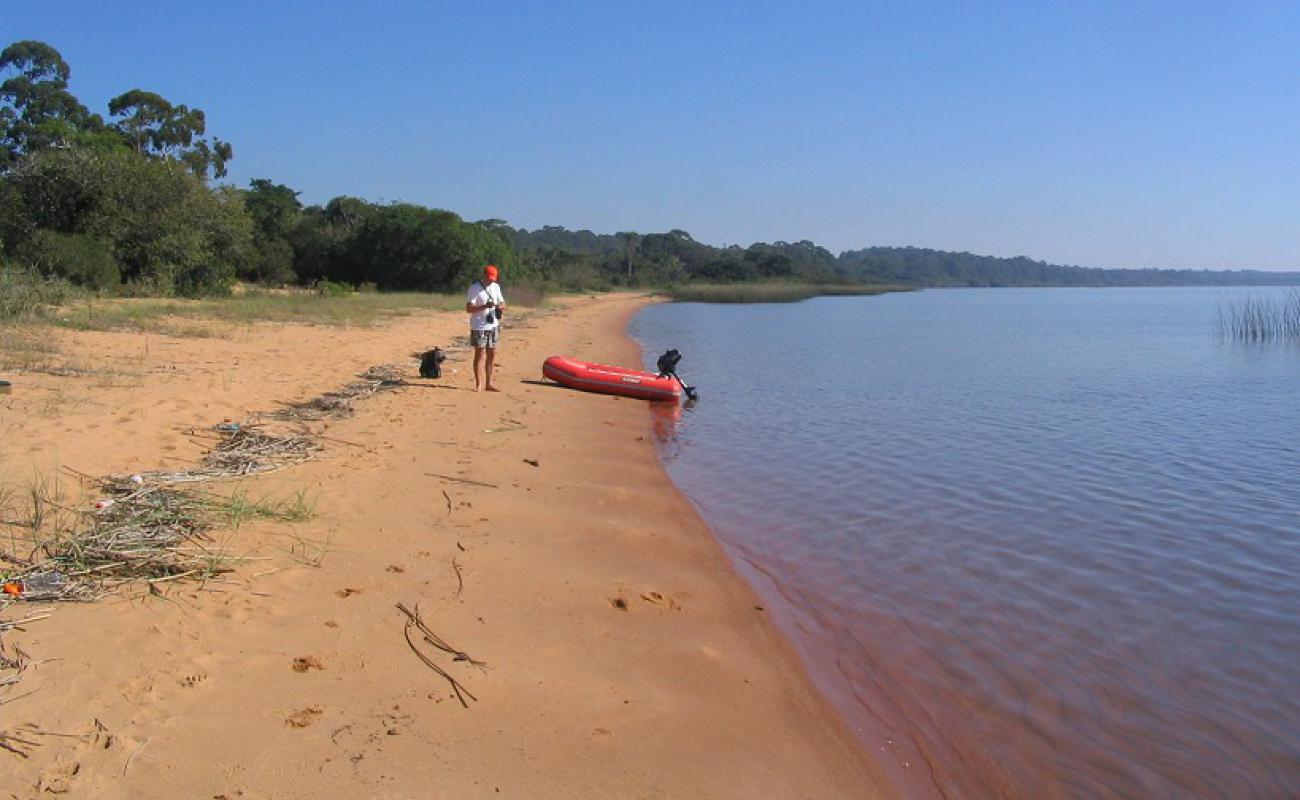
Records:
x=490, y=272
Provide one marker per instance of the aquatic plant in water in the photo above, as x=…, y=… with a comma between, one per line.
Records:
x=1260, y=318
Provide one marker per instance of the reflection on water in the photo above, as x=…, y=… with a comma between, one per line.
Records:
x=1033, y=542
x=666, y=419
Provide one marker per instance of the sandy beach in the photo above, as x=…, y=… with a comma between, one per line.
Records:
x=534, y=529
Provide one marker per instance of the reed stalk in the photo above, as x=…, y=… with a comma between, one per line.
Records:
x=1258, y=319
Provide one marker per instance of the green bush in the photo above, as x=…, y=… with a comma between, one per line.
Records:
x=165, y=228
x=333, y=289
x=79, y=258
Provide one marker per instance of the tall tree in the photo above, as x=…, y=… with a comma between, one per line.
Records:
x=631, y=241
x=154, y=127
x=36, y=109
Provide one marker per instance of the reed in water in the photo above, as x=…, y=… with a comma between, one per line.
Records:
x=1261, y=318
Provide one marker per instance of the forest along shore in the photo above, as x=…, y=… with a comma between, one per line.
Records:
x=600, y=644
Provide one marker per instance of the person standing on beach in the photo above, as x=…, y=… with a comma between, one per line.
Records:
x=484, y=303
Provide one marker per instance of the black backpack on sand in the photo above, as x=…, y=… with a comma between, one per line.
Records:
x=431, y=363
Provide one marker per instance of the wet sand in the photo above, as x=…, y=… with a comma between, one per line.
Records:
x=625, y=657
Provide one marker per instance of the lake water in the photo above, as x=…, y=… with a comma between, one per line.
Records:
x=1033, y=542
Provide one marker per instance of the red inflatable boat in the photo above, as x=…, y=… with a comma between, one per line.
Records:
x=610, y=380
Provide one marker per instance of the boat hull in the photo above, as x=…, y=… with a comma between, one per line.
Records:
x=607, y=379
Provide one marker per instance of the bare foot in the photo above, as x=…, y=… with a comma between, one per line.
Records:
x=492, y=388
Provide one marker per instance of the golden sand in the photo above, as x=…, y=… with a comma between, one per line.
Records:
x=624, y=657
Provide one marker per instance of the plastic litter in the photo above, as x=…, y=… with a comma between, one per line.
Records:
x=42, y=583
x=100, y=505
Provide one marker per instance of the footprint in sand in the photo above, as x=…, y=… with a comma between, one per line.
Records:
x=305, y=663
x=190, y=681
x=348, y=592
x=303, y=717
x=658, y=599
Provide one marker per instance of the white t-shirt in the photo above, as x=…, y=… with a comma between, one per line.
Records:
x=484, y=320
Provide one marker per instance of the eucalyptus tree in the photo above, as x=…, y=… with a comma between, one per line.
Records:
x=154, y=127
x=631, y=242
x=36, y=109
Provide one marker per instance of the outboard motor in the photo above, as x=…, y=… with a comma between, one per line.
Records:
x=667, y=365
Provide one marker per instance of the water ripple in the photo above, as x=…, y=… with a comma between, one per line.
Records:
x=1041, y=543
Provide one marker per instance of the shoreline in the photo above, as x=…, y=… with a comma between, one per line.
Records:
x=624, y=653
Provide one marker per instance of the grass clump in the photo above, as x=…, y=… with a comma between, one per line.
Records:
x=239, y=506
x=25, y=294
x=289, y=306
x=768, y=292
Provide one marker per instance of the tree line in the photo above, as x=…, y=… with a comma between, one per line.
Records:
x=917, y=266
x=130, y=203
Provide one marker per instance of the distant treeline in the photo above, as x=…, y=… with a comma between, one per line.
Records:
x=125, y=205
x=916, y=266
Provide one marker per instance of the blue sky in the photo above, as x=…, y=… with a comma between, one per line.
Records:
x=1095, y=133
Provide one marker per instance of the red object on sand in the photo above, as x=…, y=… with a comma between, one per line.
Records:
x=610, y=380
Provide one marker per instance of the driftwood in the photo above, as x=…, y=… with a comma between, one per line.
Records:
x=460, y=581
x=461, y=480
x=413, y=620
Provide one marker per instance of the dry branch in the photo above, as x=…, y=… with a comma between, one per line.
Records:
x=413, y=620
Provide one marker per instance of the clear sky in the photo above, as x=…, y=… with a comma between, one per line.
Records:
x=1096, y=133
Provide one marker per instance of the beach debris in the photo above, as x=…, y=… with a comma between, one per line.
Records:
x=248, y=451
x=242, y=449
x=12, y=666
x=338, y=403
x=460, y=581
x=149, y=533
x=39, y=585
x=461, y=480
x=415, y=622
x=16, y=743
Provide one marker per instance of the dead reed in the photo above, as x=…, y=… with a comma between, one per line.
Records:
x=132, y=533
x=338, y=403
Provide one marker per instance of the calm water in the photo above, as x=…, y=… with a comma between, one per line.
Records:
x=1034, y=542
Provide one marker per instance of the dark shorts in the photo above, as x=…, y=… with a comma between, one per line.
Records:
x=486, y=338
